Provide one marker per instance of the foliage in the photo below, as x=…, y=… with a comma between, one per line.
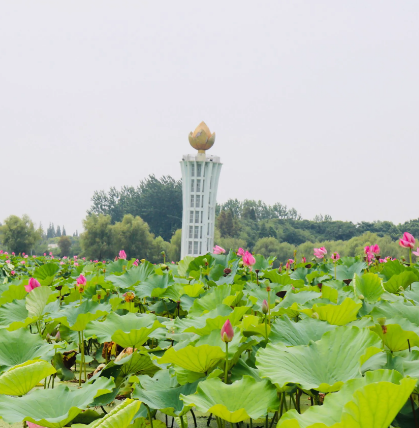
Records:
x=19, y=234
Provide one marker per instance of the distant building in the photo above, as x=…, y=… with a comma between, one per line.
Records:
x=200, y=174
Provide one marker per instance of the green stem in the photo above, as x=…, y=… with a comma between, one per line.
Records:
x=266, y=327
x=285, y=403
x=226, y=368
x=335, y=271
x=266, y=422
x=81, y=358
x=150, y=418
x=410, y=256
x=251, y=423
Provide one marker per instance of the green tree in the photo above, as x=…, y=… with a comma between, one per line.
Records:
x=268, y=247
x=58, y=231
x=96, y=241
x=19, y=234
x=65, y=244
x=175, y=246
x=133, y=236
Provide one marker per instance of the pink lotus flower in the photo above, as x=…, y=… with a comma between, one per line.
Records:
x=32, y=425
x=76, y=264
x=416, y=253
x=265, y=307
x=81, y=280
x=33, y=283
x=240, y=252
x=45, y=254
x=136, y=262
x=7, y=261
x=1, y=251
x=320, y=252
x=22, y=262
x=303, y=260
x=408, y=241
x=84, y=258
x=23, y=254
x=13, y=253
x=335, y=257
x=50, y=253
x=248, y=259
x=218, y=250
x=61, y=263
x=122, y=255
x=367, y=249
x=26, y=256
x=12, y=272
x=375, y=249
x=227, y=332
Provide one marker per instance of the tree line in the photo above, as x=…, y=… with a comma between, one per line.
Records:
x=146, y=221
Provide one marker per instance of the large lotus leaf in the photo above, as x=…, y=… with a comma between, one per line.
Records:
x=253, y=325
x=216, y=323
x=300, y=298
x=154, y=286
x=369, y=285
x=17, y=347
x=336, y=314
x=20, y=379
x=210, y=300
x=412, y=293
x=302, y=332
x=14, y=315
x=323, y=365
x=128, y=330
x=121, y=416
x=372, y=401
x=395, y=310
x=283, y=279
x=167, y=400
x=234, y=403
x=198, y=322
x=37, y=300
x=77, y=317
x=12, y=292
x=52, y=408
x=197, y=359
x=137, y=362
x=347, y=272
x=395, y=337
x=133, y=277
x=194, y=290
x=400, y=281
x=46, y=273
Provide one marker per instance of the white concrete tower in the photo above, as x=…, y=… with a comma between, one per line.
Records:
x=200, y=174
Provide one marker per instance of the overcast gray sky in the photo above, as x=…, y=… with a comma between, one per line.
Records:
x=315, y=103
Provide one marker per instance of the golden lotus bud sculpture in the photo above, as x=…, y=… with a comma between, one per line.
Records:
x=202, y=139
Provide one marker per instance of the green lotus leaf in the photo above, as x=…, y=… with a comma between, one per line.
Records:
x=216, y=323
x=302, y=332
x=20, y=379
x=12, y=292
x=163, y=397
x=46, y=273
x=137, y=362
x=36, y=301
x=133, y=276
x=252, y=325
x=330, y=293
x=347, y=272
x=52, y=408
x=184, y=376
x=396, y=310
x=336, y=314
x=395, y=337
x=197, y=359
x=14, y=315
x=121, y=416
x=128, y=330
x=244, y=399
x=412, y=293
x=194, y=290
x=210, y=300
x=372, y=401
x=77, y=317
x=154, y=286
x=17, y=347
x=403, y=280
x=369, y=285
x=324, y=365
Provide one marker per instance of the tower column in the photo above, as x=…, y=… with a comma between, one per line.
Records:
x=200, y=175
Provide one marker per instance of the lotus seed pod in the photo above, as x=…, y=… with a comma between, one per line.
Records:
x=361, y=296
x=382, y=320
x=315, y=316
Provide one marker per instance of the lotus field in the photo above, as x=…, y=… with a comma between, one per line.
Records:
x=214, y=340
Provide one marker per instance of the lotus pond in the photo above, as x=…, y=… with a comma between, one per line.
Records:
x=331, y=342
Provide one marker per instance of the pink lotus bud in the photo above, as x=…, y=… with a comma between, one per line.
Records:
x=7, y=261
x=26, y=256
x=122, y=255
x=303, y=259
x=23, y=254
x=408, y=241
x=22, y=262
x=227, y=332
x=1, y=251
x=416, y=253
x=33, y=283
x=265, y=307
x=76, y=264
x=58, y=336
x=50, y=253
x=240, y=252
x=45, y=254
x=12, y=272
x=13, y=253
x=32, y=425
x=335, y=257
x=248, y=259
x=81, y=280
x=218, y=250
x=367, y=249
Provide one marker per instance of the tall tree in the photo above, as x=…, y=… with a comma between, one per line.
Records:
x=64, y=232
x=19, y=234
x=65, y=244
x=58, y=233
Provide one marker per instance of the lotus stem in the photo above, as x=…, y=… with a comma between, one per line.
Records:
x=81, y=357
x=335, y=271
x=293, y=401
x=266, y=327
x=226, y=367
x=251, y=423
x=282, y=406
x=266, y=421
x=151, y=419
x=194, y=419
x=285, y=402
x=410, y=259
x=414, y=412
x=182, y=423
x=209, y=420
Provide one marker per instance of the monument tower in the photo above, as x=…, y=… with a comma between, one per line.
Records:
x=200, y=174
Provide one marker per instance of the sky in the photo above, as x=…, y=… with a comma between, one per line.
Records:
x=315, y=104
